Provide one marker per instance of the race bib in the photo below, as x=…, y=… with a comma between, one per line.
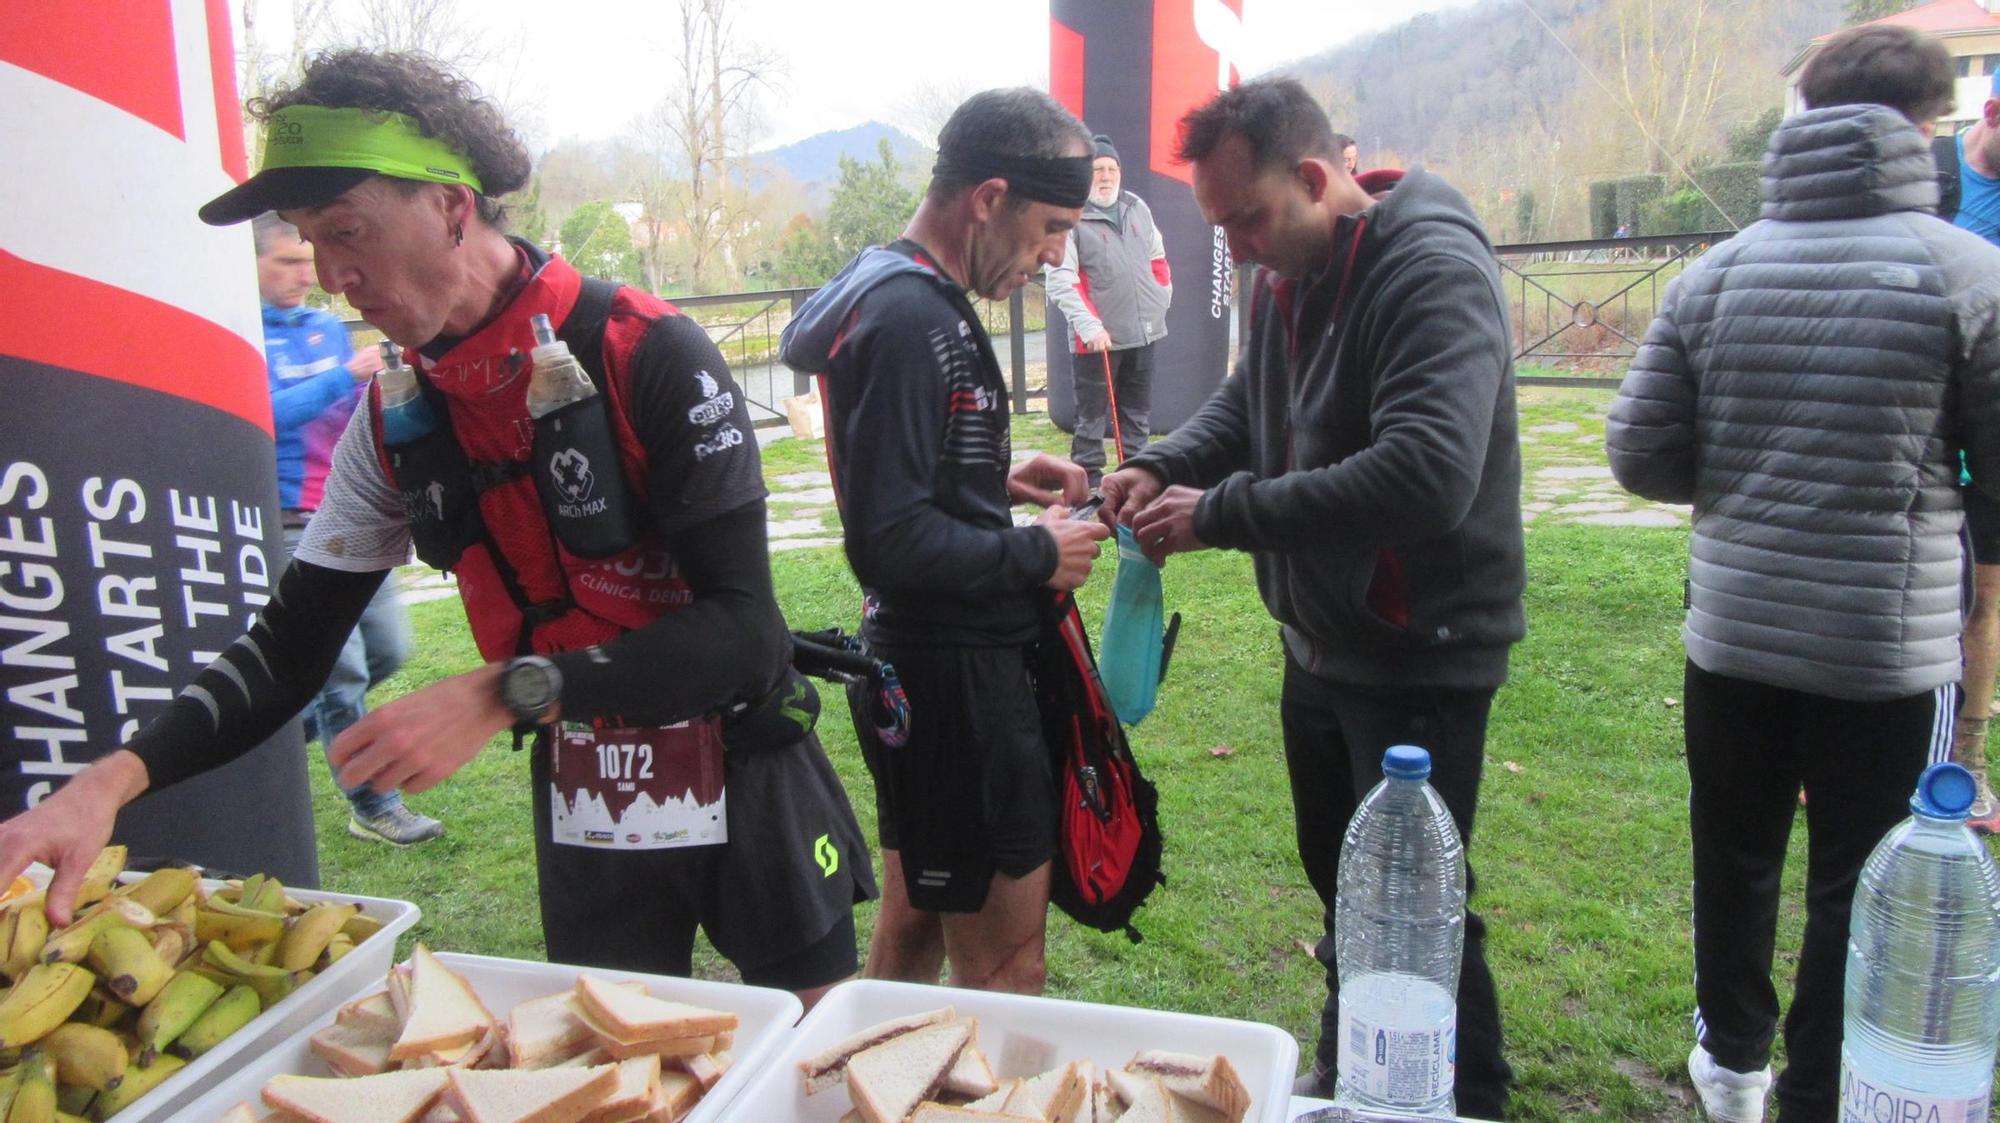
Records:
x=638, y=789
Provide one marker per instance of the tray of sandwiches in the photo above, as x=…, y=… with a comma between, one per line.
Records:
x=191, y=973
x=472, y=1039
x=882, y=1052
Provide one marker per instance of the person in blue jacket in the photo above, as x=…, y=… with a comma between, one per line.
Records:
x=316, y=379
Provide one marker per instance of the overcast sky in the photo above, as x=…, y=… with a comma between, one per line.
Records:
x=593, y=64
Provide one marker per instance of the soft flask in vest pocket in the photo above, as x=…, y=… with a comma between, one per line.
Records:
x=435, y=480
x=582, y=481
x=1129, y=657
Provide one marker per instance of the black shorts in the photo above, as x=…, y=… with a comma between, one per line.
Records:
x=1982, y=525
x=777, y=900
x=973, y=791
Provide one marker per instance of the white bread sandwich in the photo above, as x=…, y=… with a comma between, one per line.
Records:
x=829, y=1067
x=972, y=1075
x=539, y=1095
x=241, y=1113
x=542, y=1031
x=1211, y=1081
x=444, y=1013
x=389, y=1097
x=1146, y=1100
x=997, y=1099
x=374, y=1011
x=354, y=1048
x=706, y=1068
x=637, y=1016
x=638, y=1086
x=889, y=1080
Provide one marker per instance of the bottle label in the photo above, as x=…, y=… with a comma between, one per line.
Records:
x=1864, y=1099
x=1395, y=1053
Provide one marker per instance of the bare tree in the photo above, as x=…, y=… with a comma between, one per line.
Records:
x=694, y=138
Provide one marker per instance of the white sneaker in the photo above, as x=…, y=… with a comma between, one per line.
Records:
x=1726, y=1096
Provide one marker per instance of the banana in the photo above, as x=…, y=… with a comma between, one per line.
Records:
x=72, y=1101
x=360, y=926
x=171, y=942
x=272, y=983
x=340, y=945
x=100, y=1009
x=308, y=936
x=44, y=998
x=183, y=913
x=163, y=890
x=23, y=932
x=136, y=1082
x=131, y=969
x=168, y=1015
x=35, y=1100
x=72, y=944
x=103, y=871
x=90, y=1056
x=263, y=893
x=225, y=1016
x=240, y=927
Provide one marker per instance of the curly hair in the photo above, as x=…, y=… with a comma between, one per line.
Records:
x=416, y=85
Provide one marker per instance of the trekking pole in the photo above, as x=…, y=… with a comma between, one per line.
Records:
x=1111, y=407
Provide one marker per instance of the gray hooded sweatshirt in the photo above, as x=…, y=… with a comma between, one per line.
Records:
x=1808, y=386
x=1365, y=452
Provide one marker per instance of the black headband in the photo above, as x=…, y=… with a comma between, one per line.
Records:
x=1061, y=180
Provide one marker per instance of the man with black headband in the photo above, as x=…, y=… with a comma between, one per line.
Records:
x=676, y=778
x=918, y=443
x=1365, y=454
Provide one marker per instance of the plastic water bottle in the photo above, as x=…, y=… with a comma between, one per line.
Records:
x=558, y=379
x=406, y=413
x=1923, y=967
x=1399, y=930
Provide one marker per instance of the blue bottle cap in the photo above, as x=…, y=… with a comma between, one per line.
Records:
x=1945, y=791
x=1406, y=762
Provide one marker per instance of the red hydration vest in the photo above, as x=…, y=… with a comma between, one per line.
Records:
x=566, y=602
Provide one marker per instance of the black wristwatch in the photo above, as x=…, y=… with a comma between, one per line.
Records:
x=530, y=688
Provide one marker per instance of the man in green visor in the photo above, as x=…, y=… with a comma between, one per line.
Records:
x=611, y=556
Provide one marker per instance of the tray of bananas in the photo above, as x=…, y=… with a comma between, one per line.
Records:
x=163, y=979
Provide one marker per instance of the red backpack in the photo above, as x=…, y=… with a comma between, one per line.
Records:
x=1109, y=859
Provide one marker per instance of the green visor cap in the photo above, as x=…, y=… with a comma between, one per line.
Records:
x=314, y=154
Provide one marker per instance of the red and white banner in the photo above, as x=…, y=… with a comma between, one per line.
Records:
x=138, y=521
x=1131, y=70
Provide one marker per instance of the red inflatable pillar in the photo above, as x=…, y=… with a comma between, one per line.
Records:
x=1130, y=70
x=138, y=501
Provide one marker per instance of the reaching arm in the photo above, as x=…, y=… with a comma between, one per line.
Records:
x=1443, y=358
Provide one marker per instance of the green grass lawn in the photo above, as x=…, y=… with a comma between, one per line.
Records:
x=1581, y=844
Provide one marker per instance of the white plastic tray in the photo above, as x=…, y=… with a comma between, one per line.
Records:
x=765, y=1018
x=1022, y=1036
x=323, y=993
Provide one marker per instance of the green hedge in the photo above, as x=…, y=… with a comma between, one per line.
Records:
x=1734, y=186
x=1625, y=200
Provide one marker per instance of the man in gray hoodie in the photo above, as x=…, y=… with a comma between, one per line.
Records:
x=1808, y=386
x=1366, y=455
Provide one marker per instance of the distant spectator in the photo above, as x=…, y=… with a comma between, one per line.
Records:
x=1970, y=167
x=1350, y=152
x=316, y=379
x=1113, y=287
x=1808, y=387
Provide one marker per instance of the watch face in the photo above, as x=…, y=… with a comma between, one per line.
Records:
x=526, y=689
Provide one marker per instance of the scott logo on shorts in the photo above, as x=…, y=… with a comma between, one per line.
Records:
x=826, y=854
